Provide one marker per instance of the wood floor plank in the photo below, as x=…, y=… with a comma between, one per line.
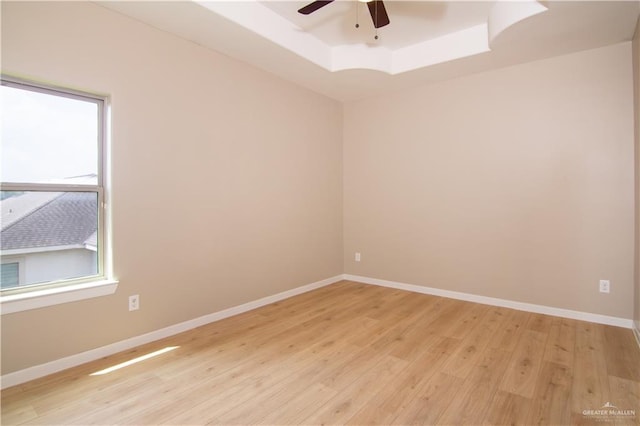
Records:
x=21, y=415
x=539, y=322
x=430, y=401
x=590, y=386
x=268, y=379
x=522, y=370
x=68, y=383
x=551, y=403
x=391, y=400
x=331, y=351
x=561, y=342
x=507, y=409
x=302, y=376
x=473, y=399
x=625, y=395
x=293, y=411
x=621, y=354
x=462, y=361
x=466, y=320
x=508, y=336
x=344, y=405
x=424, y=333
x=225, y=355
x=353, y=353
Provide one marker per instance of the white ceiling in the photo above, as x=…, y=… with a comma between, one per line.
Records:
x=334, y=24
x=426, y=41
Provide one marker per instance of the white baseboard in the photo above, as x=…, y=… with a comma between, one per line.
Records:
x=528, y=307
x=35, y=372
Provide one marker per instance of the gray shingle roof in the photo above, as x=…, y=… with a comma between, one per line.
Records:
x=15, y=208
x=69, y=219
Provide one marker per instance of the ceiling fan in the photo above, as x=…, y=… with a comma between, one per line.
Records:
x=376, y=9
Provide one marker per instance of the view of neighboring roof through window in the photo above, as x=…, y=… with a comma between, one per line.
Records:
x=52, y=193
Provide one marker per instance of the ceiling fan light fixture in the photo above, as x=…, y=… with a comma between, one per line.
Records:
x=376, y=10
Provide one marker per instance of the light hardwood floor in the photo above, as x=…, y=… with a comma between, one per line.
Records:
x=353, y=353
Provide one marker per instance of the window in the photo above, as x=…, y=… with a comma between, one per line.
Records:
x=52, y=192
x=10, y=274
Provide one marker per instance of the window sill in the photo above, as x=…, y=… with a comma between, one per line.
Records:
x=56, y=296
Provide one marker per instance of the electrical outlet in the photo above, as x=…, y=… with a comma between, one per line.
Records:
x=134, y=302
x=357, y=257
x=605, y=286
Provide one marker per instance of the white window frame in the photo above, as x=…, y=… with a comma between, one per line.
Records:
x=34, y=296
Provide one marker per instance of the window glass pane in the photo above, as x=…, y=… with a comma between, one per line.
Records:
x=9, y=274
x=46, y=138
x=54, y=233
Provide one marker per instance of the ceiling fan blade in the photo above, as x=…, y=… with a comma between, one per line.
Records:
x=313, y=6
x=378, y=13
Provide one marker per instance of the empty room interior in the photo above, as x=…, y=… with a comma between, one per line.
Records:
x=316, y=212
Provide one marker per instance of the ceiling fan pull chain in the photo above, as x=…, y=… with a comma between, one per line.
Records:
x=357, y=20
x=376, y=23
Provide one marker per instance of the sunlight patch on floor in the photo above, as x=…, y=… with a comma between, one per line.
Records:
x=134, y=361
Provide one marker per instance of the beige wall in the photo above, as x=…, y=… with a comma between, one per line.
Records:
x=636, y=76
x=515, y=183
x=226, y=181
